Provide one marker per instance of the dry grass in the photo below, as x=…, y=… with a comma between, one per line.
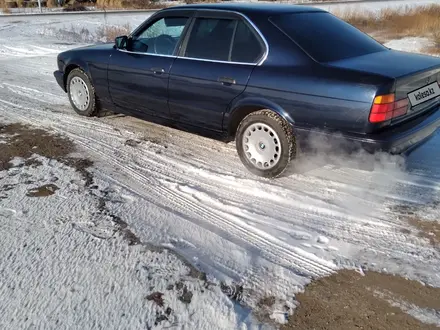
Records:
x=348, y=300
x=51, y=3
x=128, y=4
x=75, y=6
x=109, y=33
x=4, y=7
x=201, y=1
x=393, y=23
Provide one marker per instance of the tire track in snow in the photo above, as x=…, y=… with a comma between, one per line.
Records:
x=274, y=248
x=292, y=258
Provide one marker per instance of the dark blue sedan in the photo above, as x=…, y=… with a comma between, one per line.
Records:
x=267, y=76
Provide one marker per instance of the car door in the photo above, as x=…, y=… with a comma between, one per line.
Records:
x=215, y=62
x=138, y=74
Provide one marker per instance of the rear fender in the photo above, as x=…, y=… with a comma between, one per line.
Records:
x=254, y=102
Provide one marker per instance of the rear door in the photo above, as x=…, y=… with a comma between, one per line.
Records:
x=213, y=67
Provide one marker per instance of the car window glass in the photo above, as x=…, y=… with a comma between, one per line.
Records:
x=211, y=39
x=246, y=47
x=325, y=37
x=161, y=37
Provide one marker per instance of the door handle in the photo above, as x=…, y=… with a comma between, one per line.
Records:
x=158, y=70
x=227, y=81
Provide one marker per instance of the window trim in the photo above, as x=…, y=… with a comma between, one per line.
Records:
x=152, y=20
x=226, y=14
x=215, y=13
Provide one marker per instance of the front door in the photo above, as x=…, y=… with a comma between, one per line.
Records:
x=138, y=75
x=213, y=67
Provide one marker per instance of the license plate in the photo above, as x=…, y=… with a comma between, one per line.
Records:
x=424, y=94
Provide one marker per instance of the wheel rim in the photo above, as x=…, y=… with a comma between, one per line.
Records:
x=79, y=92
x=262, y=146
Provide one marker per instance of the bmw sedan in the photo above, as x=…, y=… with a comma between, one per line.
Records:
x=267, y=75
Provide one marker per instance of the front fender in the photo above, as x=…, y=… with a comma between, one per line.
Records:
x=74, y=62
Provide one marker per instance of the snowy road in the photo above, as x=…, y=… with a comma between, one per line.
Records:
x=192, y=194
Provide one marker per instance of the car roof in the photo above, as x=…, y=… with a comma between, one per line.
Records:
x=251, y=8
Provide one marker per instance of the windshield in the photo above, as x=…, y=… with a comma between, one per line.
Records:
x=325, y=37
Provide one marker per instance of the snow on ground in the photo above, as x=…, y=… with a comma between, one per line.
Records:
x=56, y=275
x=410, y=44
x=192, y=194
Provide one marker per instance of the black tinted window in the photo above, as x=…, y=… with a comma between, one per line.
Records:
x=246, y=47
x=211, y=39
x=325, y=37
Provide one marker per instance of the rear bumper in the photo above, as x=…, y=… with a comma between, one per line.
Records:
x=401, y=139
x=59, y=76
x=406, y=137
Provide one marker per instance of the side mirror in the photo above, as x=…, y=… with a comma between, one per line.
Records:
x=121, y=42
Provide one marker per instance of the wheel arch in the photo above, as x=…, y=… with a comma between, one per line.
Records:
x=246, y=106
x=72, y=65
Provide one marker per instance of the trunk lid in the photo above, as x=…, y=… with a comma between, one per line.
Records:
x=416, y=77
x=422, y=89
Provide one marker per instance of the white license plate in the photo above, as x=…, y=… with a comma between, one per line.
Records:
x=424, y=94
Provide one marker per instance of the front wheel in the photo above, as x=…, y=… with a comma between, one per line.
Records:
x=265, y=143
x=81, y=93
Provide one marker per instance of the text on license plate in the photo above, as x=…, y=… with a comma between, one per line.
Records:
x=424, y=94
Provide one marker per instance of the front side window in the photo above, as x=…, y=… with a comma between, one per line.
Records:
x=160, y=38
x=211, y=39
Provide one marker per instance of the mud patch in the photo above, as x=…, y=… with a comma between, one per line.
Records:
x=23, y=141
x=427, y=229
x=43, y=191
x=156, y=297
x=349, y=300
x=185, y=295
x=132, y=143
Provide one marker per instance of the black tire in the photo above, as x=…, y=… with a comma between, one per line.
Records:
x=91, y=109
x=286, y=138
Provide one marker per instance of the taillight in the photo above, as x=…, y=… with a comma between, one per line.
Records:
x=385, y=107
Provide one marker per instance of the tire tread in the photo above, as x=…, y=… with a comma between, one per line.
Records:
x=94, y=110
x=286, y=129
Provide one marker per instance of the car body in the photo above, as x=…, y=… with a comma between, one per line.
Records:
x=206, y=68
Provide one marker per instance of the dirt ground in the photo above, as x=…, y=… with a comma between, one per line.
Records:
x=348, y=300
x=22, y=141
x=427, y=229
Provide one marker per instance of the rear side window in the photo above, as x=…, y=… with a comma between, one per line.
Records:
x=325, y=37
x=246, y=47
x=223, y=40
x=210, y=39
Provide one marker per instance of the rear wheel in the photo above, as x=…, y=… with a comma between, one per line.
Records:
x=265, y=143
x=81, y=93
